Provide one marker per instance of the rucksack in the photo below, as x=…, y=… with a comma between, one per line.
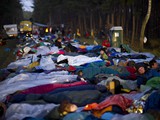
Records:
x=115, y=86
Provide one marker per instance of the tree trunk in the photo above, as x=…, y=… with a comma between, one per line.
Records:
x=108, y=21
x=91, y=25
x=118, y=20
x=133, y=30
x=145, y=21
x=94, y=21
x=79, y=24
x=123, y=20
x=85, y=25
x=137, y=28
x=50, y=18
x=112, y=17
x=126, y=16
x=100, y=21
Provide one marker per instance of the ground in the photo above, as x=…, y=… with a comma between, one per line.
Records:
x=7, y=53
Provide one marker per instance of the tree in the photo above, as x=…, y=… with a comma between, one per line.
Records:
x=11, y=12
x=100, y=14
x=145, y=21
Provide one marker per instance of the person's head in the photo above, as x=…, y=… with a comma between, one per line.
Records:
x=131, y=63
x=67, y=49
x=153, y=64
x=59, y=39
x=102, y=51
x=66, y=106
x=122, y=63
x=140, y=68
x=80, y=73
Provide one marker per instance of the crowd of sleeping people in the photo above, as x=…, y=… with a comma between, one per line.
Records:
x=142, y=72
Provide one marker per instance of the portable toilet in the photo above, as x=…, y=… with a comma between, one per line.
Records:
x=116, y=34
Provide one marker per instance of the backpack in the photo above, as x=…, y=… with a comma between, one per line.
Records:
x=115, y=86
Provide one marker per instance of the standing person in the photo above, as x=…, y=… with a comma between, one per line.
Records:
x=106, y=43
x=78, y=33
x=58, y=42
x=87, y=34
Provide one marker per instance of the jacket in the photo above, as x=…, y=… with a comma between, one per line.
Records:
x=142, y=79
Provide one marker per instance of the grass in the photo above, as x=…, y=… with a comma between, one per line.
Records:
x=89, y=41
x=152, y=46
x=6, y=53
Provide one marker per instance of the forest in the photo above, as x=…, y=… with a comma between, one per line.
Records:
x=100, y=14
x=10, y=12
x=87, y=15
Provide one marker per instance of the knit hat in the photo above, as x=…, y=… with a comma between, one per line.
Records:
x=138, y=65
x=131, y=63
x=121, y=63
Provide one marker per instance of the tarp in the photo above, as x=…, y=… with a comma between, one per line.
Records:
x=40, y=24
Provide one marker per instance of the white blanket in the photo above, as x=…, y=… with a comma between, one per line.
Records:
x=33, y=77
x=46, y=63
x=25, y=81
x=78, y=60
x=19, y=63
x=20, y=111
x=44, y=50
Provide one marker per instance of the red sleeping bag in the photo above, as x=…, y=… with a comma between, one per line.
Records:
x=117, y=100
x=50, y=87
